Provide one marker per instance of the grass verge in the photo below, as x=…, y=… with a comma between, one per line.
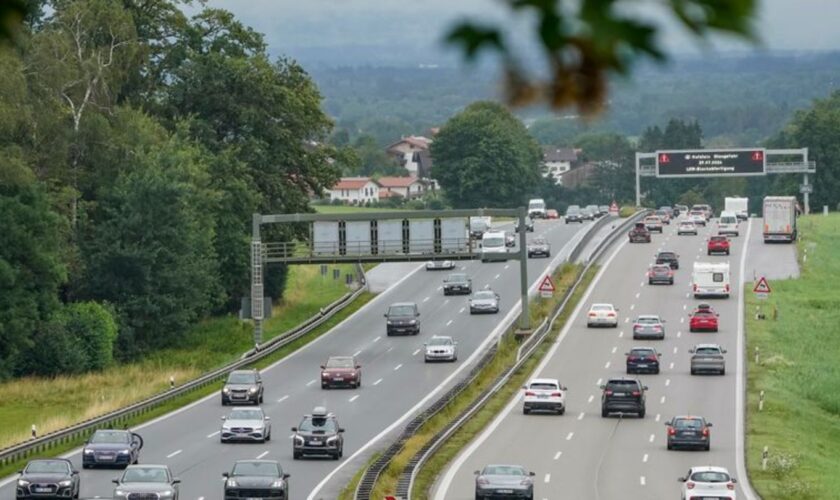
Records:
x=176, y=403
x=505, y=357
x=56, y=403
x=798, y=370
x=349, y=491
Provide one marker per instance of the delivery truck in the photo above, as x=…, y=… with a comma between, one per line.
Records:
x=738, y=205
x=779, y=219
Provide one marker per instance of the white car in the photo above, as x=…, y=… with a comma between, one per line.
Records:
x=544, y=394
x=439, y=265
x=441, y=348
x=697, y=218
x=602, y=315
x=687, y=227
x=708, y=482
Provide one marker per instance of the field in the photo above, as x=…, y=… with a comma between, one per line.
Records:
x=58, y=402
x=799, y=371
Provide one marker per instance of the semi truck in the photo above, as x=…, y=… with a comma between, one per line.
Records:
x=738, y=205
x=779, y=219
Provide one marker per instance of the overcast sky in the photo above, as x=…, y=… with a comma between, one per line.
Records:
x=376, y=29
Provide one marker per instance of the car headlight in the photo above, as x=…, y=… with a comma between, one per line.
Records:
x=298, y=441
x=120, y=493
x=390, y=322
x=65, y=483
x=412, y=322
x=277, y=484
x=252, y=390
x=88, y=452
x=125, y=452
x=332, y=440
x=226, y=390
x=232, y=483
x=23, y=482
x=166, y=494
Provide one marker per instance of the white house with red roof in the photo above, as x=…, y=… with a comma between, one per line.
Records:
x=355, y=190
x=412, y=153
x=407, y=187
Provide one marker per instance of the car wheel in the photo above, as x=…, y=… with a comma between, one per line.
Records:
x=562, y=411
x=727, y=252
x=642, y=413
x=691, y=329
x=296, y=455
x=323, y=385
x=526, y=410
x=261, y=398
x=224, y=403
x=604, y=413
x=723, y=371
x=336, y=456
x=85, y=466
x=709, y=252
x=650, y=282
x=693, y=371
x=715, y=330
x=671, y=282
x=656, y=372
x=707, y=447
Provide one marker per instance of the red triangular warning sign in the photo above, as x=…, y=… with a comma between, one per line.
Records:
x=762, y=286
x=547, y=285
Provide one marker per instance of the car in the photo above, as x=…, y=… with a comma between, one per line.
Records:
x=669, y=211
x=318, y=434
x=484, y=301
x=643, y=360
x=243, y=386
x=708, y=358
x=708, y=482
x=664, y=216
x=602, y=315
x=649, y=326
x=510, y=239
x=706, y=210
x=457, y=284
x=47, y=478
x=680, y=209
x=539, y=246
x=256, y=479
x=594, y=210
x=111, y=447
x=529, y=225
x=728, y=224
x=402, y=317
x=698, y=218
x=551, y=214
x=660, y=273
x=504, y=481
x=245, y=424
x=341, y=371
x=494, y=245
x=146, y=481
x=689, y=432
x=717, y=244
x=544, y=394
x=687, y=227
x=703, y=319
x=604, y=209
x=573, y=214
x=441, y=348
x=639, y=233
x=440, y=265
x=670, y=258
x=623, y=395
x=653, y=223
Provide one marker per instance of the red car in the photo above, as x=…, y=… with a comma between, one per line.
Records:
x=551, y=214
x=341, y=371
x=718, y=244
x=703, y=319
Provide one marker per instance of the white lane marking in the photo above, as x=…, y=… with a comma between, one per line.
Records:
x=439, y=288
x=291, y=436
x=675, y=349
x=497, y=276
x=377, y=382
x=642, y=480
x=445, y=301
x=682, y=320
x=645, y=458
x=377, y=338
x=652, y=437
x=687, y=295
x=415, y=352
x=262, y=454
x=615, y=348
x=426, y=299
x=507, y=266
x=671, y=366
x=627, y=320
x=311, y=382
x=390, y=349
x=570, y=436
x=398, y=367
x=557, y=455
x=667, y=382
x=353, y=398
x=283, y=398
x=642, y=284
x=632, y=306
x=547, y=478
x=591, y=397
x=679, y=334
x=658, y=416
x=607, y=365
x=462, y=310
x=357, y=353
x=637, y=294
x=599, y=382
x=685, y=307
x=213, y=434
x=621, y=334
x=177, y=452
x=662, y=400
x=580, y=417
x=449, y=322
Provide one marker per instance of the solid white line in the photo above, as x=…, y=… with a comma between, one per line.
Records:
x=415, y=352
x=262, y=454
x=645, y=458
x=570, y=436
x=547, y=478
x=283, y=398
x=353, y=398
x=462, y=310
x=177, y=452
x=557, y=455
x=580, y=417
x=607, y=365
x=652, y=437
x=311, y=382
x=377, y=382
x=214, y=434
x=449, y=322
x=357, y=353
x=591, y=397
x=642, y=480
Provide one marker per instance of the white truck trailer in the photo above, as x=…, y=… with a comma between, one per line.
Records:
x=779, y=219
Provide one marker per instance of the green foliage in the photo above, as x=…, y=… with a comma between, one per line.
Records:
x=93, y=328
x=53, y=351
x=485, y=157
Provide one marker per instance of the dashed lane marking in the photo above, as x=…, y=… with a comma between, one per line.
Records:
x=557, y=455
x=213, y=434
x=415, y=352
x=177, y=452
x=652, y=437
x=283, y=398
x=570, y=436
x=449, y=322
x=353, y=398
x=311, y=382
x=591, y=397
x=547, y=478
x=645, y=458
x=398, y=367
x=642, y=480
x=580, y=417
x=377, y=382
x=262, y=454
x=662, y=400
x=607, y=365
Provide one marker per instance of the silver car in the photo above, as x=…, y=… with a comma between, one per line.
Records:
x=485, y=301
x=441, y=348
x=504, y=481
x=708, y=358
x=146, y=481
x=649, y=326
x=246, y=424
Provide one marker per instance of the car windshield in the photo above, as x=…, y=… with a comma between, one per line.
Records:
x=710, y=477
x=688, y=423
x=622, y=385
x=242, y=378
x=540, y=241
x=440, y=341
x=661, y=269
x=651, y=219
x=572, y=210
x=544, y=386
x=642, y=352
x=648, y=320
x=342, y=362
x=110, y=437
x=401, y=311
x=494, y=241
x=704, y=314
x=503, y=470
x=640, y=225
x=686, y=224
x=667, y=255
x=246, y=414
x=484, y=295
x=318, y=424
x=145, y=475
x=457, y=277
x=266, y=469
x=707, y=350
x=48, y=467
x=718, y=238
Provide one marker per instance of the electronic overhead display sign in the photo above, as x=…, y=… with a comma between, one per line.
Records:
x=710, y=163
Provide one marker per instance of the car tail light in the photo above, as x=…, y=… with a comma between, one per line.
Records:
x=637, y=393
x=689, y=485
x=482, y=481
x=556, y=394
x=672, y=431
x=651, y=358
x=706, y=431
x=657, y=328
x=608, y=392
x=670, y=273
x=727, y=288
x=530, y=393
x=611, y=315
x=730, y=486
x=592, y=315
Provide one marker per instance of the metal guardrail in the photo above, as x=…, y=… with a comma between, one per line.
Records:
x=119, y=417
x=364, y=488
x=409, y=472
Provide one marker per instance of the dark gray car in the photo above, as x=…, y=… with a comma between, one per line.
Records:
x=142, y=482
x=53, y=478
x=539, y=246
x=457, y=284
x=689, y=432
x=318, y=434
x=484, y=301
x=649, y=327
x=263, y=479
x=243, y=386
x=504, y=481
x=573, y=214
x=111, y=447
x=402, y=317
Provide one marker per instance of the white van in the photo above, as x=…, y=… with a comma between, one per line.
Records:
x=492, y=242
x=710, y=280
x=536, y=208
x=728, y=223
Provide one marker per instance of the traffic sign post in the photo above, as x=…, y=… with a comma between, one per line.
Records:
x=762, y=289
x=547, y=287
x=614, y=208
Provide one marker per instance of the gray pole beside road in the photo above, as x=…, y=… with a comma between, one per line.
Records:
x=524, y=318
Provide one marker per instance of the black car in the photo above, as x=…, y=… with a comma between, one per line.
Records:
x=623, y=395
x=643, y=360
x=457, y=284
x=573, y=214
x=402, y=317
x=318, y=434
x=52, y=478
x=539, y=246
x=262, y=479
x=669, y=258
x=243, y=386
x=111, y=447
x=689, y=432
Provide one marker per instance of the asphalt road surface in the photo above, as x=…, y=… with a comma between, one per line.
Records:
x=581, y=454
x=395, y=383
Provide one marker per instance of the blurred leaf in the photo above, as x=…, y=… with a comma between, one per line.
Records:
x=12, y=14
x=474, y=38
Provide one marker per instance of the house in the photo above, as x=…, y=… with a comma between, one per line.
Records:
x=355, y=190
x=412, y=153
x=558, y=161
x=407, y=187
x=578, y=176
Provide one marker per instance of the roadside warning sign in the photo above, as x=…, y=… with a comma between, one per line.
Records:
x=762, y=288
x=547, y=287
x=613, y=208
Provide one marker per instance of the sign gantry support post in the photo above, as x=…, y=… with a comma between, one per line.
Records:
x=525, y=317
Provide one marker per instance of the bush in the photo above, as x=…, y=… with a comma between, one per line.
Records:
x=54, y=351
x=436, y=204
x=416, y=205
x=780, y=465
x=93, y=328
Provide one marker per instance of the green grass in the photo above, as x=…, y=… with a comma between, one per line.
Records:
x=628, y=211
x=349, y=209
x=799, y=371
x=55, y=403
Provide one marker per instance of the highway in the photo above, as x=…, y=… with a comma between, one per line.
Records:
x=581, y=454
x=396, y=384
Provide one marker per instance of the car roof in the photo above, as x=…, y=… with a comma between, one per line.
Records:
x=640, y=347
x=441, y=337
x=709, y=468
x=700, y=346
x=246, y=408
x=624, y=379
x=244, y=371
x=688, y=417
x=62, y=460
x=395, y=304
x=544, y=381
x=147, y=466
x=257, y=461
x=602, y=304
x=648, y=316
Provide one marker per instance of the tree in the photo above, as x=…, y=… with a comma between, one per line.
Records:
x=615, y=175
x=373, y=160
x=678, y=134
x=93, y=328
x=485, y=157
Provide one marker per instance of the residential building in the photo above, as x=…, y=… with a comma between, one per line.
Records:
x=355, y=190
x=407, y=187
x=412, y=153
x=558, y=161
